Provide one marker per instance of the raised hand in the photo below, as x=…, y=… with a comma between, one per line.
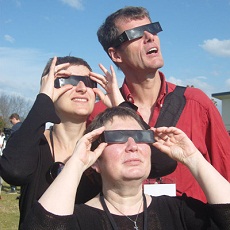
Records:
x=113, y=95
x=174, y=143
x=47, y=82
x=82, y=150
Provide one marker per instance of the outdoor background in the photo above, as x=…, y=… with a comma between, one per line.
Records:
x=195, y=43
x=195, y=40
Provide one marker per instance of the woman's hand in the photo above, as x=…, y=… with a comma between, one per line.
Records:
x=47, y=81
x=82, y=150
x=113, y=96
x=174, y=143
x=177, y=145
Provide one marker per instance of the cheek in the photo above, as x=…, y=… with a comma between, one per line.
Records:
x=91, y=94
x=145, y=150
x=111, y=154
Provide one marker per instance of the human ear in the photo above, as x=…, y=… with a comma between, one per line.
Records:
x=96, y=167
x=114, y=55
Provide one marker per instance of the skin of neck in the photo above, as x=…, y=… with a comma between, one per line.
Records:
x=67, y=133
x=126, y=197
x=127, y=203
x=65, y=137
x=145, y=89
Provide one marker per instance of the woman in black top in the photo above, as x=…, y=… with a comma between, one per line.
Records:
x=118, y=148
x=66, y=98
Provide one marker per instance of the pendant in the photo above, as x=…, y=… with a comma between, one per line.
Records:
x=135, y=225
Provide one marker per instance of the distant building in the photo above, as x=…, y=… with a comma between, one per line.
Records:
x=225, y=98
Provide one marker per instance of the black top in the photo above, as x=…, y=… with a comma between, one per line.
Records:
x=27, y=158
x=165, y=213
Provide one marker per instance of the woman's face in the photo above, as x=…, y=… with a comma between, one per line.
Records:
x=78, y=101
x=124, y=161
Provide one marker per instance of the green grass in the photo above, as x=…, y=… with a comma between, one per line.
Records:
x=9, y=211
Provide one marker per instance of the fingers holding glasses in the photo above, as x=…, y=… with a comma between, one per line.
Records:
x=101, y=79
x=109, y=77
x=108, y=81
x=62, y=70
x=47, y=81
x=83, y=151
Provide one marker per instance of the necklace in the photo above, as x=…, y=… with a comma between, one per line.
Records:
x=134, y=221
x=102, y=200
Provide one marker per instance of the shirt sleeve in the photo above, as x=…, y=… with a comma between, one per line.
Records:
x=218, y=142
x=38, y=219
x=199, y=215
x=20, y=155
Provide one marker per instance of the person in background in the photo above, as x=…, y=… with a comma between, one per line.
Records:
x=33, y=155
x=117, y=146
x=16, y=124
x=15, y=121
x=2, y=145
x=131, y=40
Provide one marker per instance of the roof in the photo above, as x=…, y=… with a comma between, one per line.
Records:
x=221, y=96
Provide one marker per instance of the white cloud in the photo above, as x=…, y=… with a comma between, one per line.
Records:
x=198, y=82
x=20, y=70
x=9, y=38
x=217, y=47
x=77, y=4
x=176, y=81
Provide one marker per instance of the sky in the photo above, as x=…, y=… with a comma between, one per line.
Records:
x=195, y=40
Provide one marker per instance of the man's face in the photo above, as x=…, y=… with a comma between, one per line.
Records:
x=141, y=54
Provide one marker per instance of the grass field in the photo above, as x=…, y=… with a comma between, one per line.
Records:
x=9, y=214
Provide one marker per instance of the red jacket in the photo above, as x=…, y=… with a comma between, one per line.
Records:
x=203, y=124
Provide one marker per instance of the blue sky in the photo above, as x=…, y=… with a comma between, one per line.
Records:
x=195, y=41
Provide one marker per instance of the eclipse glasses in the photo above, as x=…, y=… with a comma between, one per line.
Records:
x=74, y=80
x=121, y=136
x=137, y=32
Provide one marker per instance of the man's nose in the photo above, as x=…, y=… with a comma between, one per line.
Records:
x=149, y=36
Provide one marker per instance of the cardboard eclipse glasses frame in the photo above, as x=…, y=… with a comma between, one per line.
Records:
x=74, y=80
x=121, y=136
x=137, y=32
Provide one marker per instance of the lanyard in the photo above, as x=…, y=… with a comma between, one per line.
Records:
x=110, y=217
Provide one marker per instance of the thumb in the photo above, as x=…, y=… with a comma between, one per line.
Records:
x=61, y=91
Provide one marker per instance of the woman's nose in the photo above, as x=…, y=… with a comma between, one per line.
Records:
x=131, y=145
x=81, y=87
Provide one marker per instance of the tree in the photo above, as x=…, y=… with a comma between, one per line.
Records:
x=10, y=103
x=2, y=124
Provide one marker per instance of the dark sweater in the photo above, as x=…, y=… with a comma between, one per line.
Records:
x=165, y=213
x=27, y=158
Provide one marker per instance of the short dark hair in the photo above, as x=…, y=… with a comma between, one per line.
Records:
x=107, y=32
x=67, y=59
x=102, y=118
x=14, y=115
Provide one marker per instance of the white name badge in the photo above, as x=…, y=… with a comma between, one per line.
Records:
x=160, y=189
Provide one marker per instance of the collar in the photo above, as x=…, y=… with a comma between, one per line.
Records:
x=163, y=91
